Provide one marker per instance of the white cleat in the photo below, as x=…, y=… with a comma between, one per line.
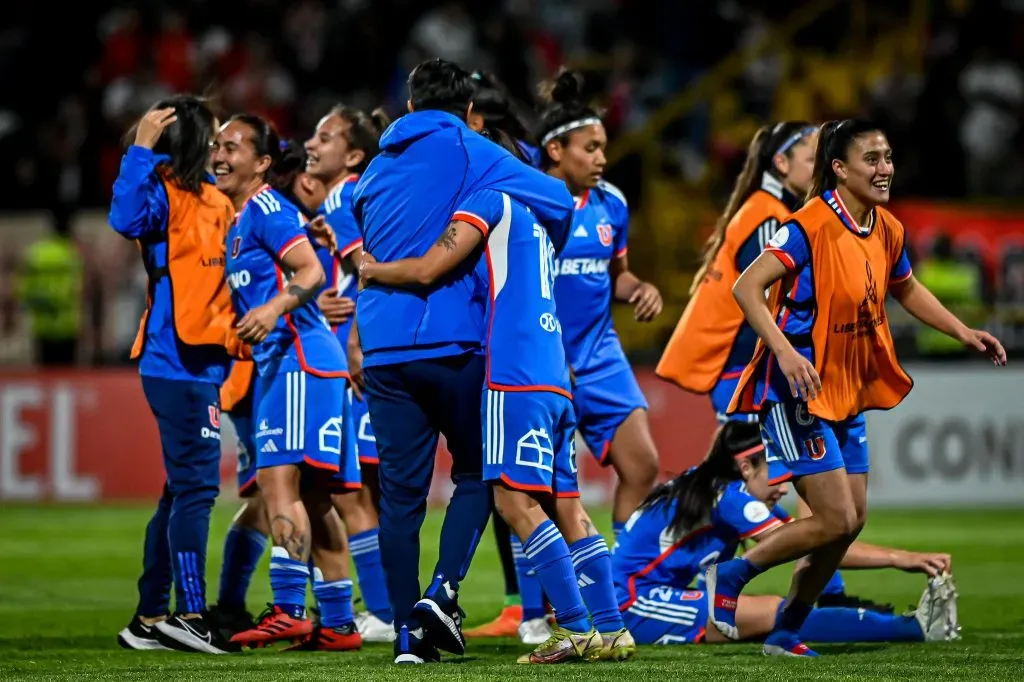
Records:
x=373, y=629
x=535, y=631
x=936, y=612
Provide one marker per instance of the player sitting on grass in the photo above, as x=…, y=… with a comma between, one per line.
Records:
x=699, y=518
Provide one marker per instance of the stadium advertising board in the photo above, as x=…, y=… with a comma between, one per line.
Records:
x=89, y=436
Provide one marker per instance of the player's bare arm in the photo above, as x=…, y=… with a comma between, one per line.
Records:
x=454, y=245
x=922, y=304
x=628, y=288
x=307, y=279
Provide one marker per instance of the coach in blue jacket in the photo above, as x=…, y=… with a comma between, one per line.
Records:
x=424, y=364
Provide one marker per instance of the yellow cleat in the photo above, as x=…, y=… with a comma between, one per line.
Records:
x=564, y=646
x=615, y=646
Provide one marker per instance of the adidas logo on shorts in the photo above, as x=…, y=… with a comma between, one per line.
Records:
x=269, y=447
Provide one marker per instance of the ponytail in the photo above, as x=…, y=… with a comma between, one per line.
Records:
x=767, y=142
x=695, y=492
x=834, y=142
x=566, y=110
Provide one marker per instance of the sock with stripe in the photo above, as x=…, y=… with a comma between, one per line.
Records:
x=365, y=548
x=549, y=556
x=334, y=599
x=859, y=625
x=243, y=548
x=288, y=578
x=835, y=585
x=593, y=566
x=530, y=593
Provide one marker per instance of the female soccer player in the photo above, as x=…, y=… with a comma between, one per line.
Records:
x=524, y=613
x=344, y=143
x=700, y=517
x=165, y=200
x=299, y=395
x=837, y=258
x=712, y=343
x=593, y=270
x=529, y=400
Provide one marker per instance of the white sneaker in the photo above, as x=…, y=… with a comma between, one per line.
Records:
x=534, y=631
x=373, y=629
x=936, y=611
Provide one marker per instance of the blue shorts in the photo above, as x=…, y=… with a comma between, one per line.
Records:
x=721, y=396
x=603, y=400
x=366, y=442
x=809, y=445
x=661, y=614
x=529, y=441
x=299, y=418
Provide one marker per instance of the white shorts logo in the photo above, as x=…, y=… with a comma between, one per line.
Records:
x=803, y=417
x=331, y=436
x=756, y=512
x=534, y=450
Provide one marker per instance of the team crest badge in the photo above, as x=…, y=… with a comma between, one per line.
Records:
x=604, y=233
x=236, y=247
x=214, y=416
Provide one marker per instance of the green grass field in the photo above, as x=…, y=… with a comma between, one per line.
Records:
x=67, y=585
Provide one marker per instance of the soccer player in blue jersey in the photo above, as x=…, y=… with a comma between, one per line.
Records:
x=342, y=146
x=528, y=415
x=593, y=271
x=300, y=443
x=699, y=518
x=423, y=360
x=164, y=199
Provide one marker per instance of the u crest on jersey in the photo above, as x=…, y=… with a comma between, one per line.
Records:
x=604, y=233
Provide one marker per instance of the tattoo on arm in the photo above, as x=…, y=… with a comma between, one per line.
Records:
x=300, y=293
x=286, y=534
x=588, y=526
x=447, y=238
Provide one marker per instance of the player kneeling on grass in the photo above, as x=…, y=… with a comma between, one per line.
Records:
x=699, y=518
x=527, y=409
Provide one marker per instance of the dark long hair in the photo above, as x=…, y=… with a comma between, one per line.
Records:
x=767, y=142
x=186, y=141
x=290, y=163
x=695, y=492
x=834, y=143
x=502, y=121
x=565, y=105
x=364, y=131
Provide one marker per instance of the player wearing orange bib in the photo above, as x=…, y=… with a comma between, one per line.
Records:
x=826, y=355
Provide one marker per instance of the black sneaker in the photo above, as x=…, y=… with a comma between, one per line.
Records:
x=142, y=637
x=441, y=617
x=411, y=647
x=195, y=634
x=228, y=622
x=842, y=600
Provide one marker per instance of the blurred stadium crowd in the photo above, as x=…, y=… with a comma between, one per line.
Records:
x=943, y=77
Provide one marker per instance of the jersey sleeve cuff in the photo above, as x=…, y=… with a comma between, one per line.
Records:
x=291, y=244
x=786, y=259
x=473, y=219
x=766, y=526
x=349, y=248
x=902, y=278
x=622, y=252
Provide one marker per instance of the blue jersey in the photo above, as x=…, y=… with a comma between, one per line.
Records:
x=139, y=210
x=798, y=312
x=340, y=274
x=518, y=274
x=648, y=553
x=583, y=288
x=266, y=229
x=430, y=161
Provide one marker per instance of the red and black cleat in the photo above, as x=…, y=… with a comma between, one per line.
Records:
x=274, y=625
x=344, y=638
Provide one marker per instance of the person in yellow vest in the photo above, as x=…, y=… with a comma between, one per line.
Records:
x=50, y=290
x=957, y=285
x=826, y=355
x=166, y=201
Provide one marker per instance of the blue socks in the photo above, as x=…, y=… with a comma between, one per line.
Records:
x=785, y=637
x=288, y=578
x=365, y=548
x=593, y=566
x=243, y=548
x=530, y=593
x=334, y=600
x=857, y=625
x=835, y=585
x=549, y=556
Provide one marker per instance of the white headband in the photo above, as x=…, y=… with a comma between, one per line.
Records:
x=569, y=127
